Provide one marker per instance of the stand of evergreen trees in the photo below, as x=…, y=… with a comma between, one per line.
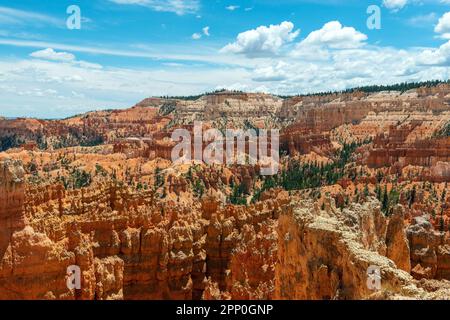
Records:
x=77, y=179
x=238, y=196
x=402, y=87
x=300, y=176
x=196, y=97
x=445, y=132
x=8, y=142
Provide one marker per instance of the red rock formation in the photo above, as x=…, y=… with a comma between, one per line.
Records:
x=429, y=254
x=138, y=230
x=12, y=197
x=396, y=241
x=392, y=149
x=296, y=141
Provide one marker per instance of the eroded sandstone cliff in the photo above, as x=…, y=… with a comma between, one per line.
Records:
x=129, y=247
x=362, y=186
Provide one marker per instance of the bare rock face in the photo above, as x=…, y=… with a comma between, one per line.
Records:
x=12, y=186
x=410, y=145
x=429, y=255
x=440, y=171
x=443, y=262
x=234, y=106
x=12, y=197
x=308, y=253
x=396, y=241
x=23, y=267
x=323, y=258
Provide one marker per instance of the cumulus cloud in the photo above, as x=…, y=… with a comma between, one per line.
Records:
x=395, y=5
x=437, y=57
x=263, y=40
x=196, y=36
x=333, y=57
x=443, y=26
x=336, y=57
x=96, y=89
x=335, y=36
x=275, y=72
x=50, y=54
x=348, y=68
x=180, y=7
x=206, y=31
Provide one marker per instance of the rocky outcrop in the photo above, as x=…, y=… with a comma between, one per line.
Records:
x=429, y=252
x=90, y=129
x=12, y=198
x=393, y=149
x=309, y=253
x=396, y=241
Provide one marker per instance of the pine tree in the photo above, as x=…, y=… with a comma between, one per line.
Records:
x=378, y=192
x=198, y=188
x=385, y=201
x=366, y=191
x=379, y=176
x=412, y=197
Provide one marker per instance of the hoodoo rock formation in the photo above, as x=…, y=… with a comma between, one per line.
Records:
x=11, y=201
x=362, y=185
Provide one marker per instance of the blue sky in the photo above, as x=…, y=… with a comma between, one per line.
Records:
x=127, y=50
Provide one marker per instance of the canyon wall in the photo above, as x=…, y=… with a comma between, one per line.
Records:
x=130, y=247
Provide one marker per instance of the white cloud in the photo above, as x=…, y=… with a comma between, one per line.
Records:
x=423, y=20
x=179, y=7
x=50, y=54
x=395, y=5
x=137, y=51
x=345, y=69
x=437, y=57
x=443, y=26
x=232, y=7
x=275, y=72
x=10, y=16
x=122, y=87
x=78, y=95
x=97, y=89
x=263, y=40
x=196, y=36
x=334, y=35
x=55, y=83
